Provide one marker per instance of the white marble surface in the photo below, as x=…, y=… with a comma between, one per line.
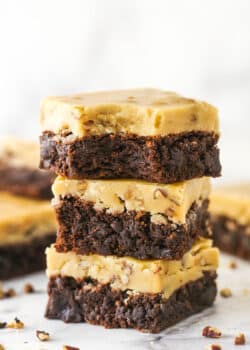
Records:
x=230, y=315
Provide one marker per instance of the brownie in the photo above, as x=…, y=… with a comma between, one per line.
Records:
x=18, y=259
x=231, y=236
x=26, y=181
x=163, y=159
x=85, y=230
x=87, y=301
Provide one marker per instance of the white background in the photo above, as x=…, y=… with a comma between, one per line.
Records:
x=198, y=48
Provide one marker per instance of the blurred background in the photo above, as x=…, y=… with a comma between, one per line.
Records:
x=198, y=48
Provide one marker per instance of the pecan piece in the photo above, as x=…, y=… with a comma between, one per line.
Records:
x=42, y=335
x=226, y=293
x=240, y=339
x=211, y=332
x=28, y=288
x=16, y=324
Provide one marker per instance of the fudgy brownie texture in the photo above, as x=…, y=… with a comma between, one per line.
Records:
x=231, y=237
x=22, y=258
x=88, y=231
x=26, y=182
x=88, y=301
x=165, y=159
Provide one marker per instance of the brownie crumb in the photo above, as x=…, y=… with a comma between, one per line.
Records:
x=42, y=335
x=232, y=265
x=68, y=347
x=16, y=324
x=211, y=332
x=28, y=288
x=214, y=347
x=226, y=293
x=3, y=325
x=240, y=339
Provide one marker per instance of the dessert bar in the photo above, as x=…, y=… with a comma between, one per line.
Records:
x=147, y=134
x=130, y=218
x=148, y=295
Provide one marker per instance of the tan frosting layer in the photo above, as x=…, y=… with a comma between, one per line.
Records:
x=22, y=219
x=146, y=276
x=144, y=112
x=116, y=196
x=19, y=153
x=232, y=201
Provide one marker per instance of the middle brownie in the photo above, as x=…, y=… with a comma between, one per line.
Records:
x=131, y=218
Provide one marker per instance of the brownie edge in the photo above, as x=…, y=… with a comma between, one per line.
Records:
x=88, y=301
x=162, y=159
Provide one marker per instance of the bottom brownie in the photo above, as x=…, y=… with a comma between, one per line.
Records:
x=87, y=301
x=231, y=237
x=22, y=258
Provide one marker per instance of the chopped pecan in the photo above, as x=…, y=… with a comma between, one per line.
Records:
x=211, y=332
x=42, y=335
x=232, y=265
x=226, y=292
x=214, y=347
x=240, y=339
x=10, y=293
x=28, y=288
x=17, y=324
x=161, y=191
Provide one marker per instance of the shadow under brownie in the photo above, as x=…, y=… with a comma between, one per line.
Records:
x=146, y=134
x=130, y=218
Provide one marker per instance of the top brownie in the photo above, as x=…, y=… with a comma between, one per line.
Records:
x=19, y=172
x=146, y=134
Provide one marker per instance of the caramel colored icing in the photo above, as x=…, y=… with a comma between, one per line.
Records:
x=143, y=112
x=145, y=276
x=22, y=219
x=116, y=196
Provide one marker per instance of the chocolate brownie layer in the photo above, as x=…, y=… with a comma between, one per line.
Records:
x=26, y=181
x=88, y=231
x=166, y=159
x=88, y=301
x=22, y=258
x=231, y=237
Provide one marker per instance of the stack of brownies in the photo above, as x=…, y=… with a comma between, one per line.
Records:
x=27, y=221
x=131, y=200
